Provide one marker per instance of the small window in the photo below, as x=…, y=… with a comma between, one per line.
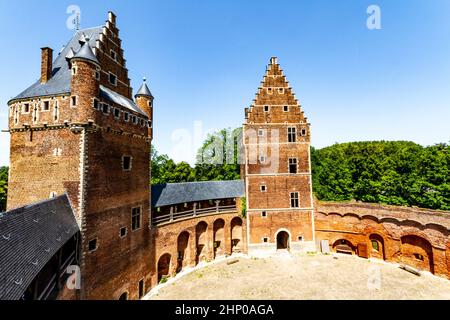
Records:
x=280, y=90
x=136, y=218
x=293, y=166
x=92, y=245
x=300, y=238
x=46, y=106
x=418, y=256
x=112, y=79
x=375, y=245
x=117, y=113
x=134, y=120
x=74, y=101
x=126, y=163
x=95, y=104
x=263, y=188
x=269, y=90
x=124, y=296
x=141, y=289
x=262, y=159
x=264, y=214
x=53, y=194
x=56, y=112
x=113, y=55
x=142, y=123
x=97, y=75
x=303, y=132
x=105, y=108
x=261, y=132
x=123, y=232
x=266, y=108
x=149, y=123
x=265, y=239
x=74, y=71
x=292, y=134
x=286, y=108
x=294, y=200
x=126, y=116
x=26, y=108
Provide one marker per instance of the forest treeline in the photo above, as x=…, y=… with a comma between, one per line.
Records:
x=389, y=172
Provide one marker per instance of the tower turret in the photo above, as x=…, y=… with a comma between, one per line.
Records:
x=144, y=100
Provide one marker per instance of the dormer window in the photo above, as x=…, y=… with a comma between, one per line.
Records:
x=112, y=79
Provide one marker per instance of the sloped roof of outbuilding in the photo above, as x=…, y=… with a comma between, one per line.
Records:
x=29, y=237
x=174, y=193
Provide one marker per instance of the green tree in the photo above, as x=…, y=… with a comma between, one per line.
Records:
x=3, y=187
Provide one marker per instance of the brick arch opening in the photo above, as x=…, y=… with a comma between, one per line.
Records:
x=164, y=266
x=124, y=296
x=283, y=240
x=236, y=235
x=201, y=241
x=377, y=246
x=344, y=246
x=182, y=250
x=417, y=252
x=219, y=237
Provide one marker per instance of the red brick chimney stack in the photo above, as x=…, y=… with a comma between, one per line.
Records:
x=46, y=64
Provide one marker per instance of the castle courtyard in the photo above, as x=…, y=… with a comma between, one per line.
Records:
x=302, y=277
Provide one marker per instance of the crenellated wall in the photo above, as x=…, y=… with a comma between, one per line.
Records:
x=412, y=236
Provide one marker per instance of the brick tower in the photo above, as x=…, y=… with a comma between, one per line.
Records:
x=278, y=168
x=78, y=131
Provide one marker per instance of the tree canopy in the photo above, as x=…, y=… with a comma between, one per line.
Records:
x=3, y=187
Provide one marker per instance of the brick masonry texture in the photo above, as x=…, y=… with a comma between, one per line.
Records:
x=57, y=147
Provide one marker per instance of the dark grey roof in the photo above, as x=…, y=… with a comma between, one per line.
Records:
x=144, y=90
x=29, y=237
x=174, y=193
x=115, y=97
x=86, y=53
x=61, y=75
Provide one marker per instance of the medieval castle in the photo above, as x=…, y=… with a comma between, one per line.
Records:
x=79, y=193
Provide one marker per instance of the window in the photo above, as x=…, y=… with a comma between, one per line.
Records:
x=112, y=79
x=269, y=90
x=149, y=123
x=126, y=116
x=136, y=218
x=263, y=188
x=46, y=106
x=280, y=90
x=123, y=232
x=35, y=114
x=56, y=112
x=53, y=194
x=124, y=296
x=418, y=256
x=126, y=163
x=300, y=238
x=97, y=75
x=95, y=104
x=117, y=113
x=303, y=132
x=293, y=166
x=74, y=101
x=113, y=55
x=74, y=71
x=134, y=119
x=16, y=116
x=142, y=123
x=266, y=108
x=294, y=200
x=261, y=132
x=265, y=239
x=264, y=214
x=375, y=245
x=291, y=134
x=26, y=108
x=105, y=108
x=92, y=245
x=141, y=289
x=262, y=159
x=286, y=108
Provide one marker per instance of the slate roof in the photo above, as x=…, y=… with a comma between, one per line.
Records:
x=174, y=193
x=29, y=237
x=144, y=91
x=60, y=81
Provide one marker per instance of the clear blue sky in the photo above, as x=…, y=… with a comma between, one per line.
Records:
x=205, y=59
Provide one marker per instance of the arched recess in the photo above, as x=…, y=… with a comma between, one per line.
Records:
x=201, y=241
x=219, y=238
x=124, y=296
x=417, y=252
x=344, y=246
x=163, y=266
x=236, y=235
x=283, y=240
x=377, y=246
x=182, y=250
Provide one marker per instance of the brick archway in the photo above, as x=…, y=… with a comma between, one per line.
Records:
x=182, y=250
x=377, y=249
x=236, y=235
x=201, y=241
x=219, y=237
x=344, y=246
x=164, y=266
x=417, y=252
x=283, y=239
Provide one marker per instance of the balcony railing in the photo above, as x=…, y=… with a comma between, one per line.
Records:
x=171, y=217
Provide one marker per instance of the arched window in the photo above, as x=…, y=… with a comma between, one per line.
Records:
x=124, y=296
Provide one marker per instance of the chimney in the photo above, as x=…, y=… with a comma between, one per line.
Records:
x=273, y=60
x=112, y=18
x=46, y=64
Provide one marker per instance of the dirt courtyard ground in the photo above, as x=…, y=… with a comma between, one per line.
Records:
x=303, y=277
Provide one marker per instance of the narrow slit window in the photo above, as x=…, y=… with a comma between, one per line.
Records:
x=126, y=163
